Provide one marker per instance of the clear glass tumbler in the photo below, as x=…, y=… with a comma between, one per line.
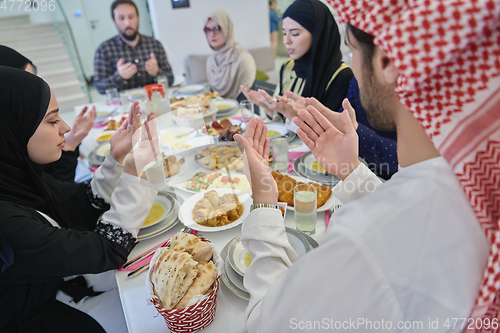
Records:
x=305, y=199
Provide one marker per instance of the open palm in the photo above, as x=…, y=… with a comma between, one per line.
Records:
x=121, y=141
x=335, y=151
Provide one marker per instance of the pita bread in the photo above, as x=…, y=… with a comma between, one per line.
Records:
x=172, y=274
x=199, y=250
x=207, y=273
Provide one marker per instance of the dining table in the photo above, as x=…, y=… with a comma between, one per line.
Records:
x=140, y=314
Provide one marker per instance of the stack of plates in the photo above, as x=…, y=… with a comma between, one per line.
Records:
x=234, y=255
x=171, y=204
x=226, y=107
x=304, y=166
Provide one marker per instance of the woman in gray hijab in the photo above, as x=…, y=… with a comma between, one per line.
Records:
x=229, y=66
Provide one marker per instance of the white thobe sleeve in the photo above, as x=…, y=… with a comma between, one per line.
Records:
x=106, y=178
x=263, y=235
x=131, y=202
x=360, y=182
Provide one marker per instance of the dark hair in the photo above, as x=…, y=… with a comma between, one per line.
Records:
x=116, y=3
x=271, y=2
x=364, y=40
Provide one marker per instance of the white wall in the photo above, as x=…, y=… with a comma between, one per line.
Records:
x=181, y=30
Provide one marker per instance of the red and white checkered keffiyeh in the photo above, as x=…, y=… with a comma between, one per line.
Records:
x=448, y=56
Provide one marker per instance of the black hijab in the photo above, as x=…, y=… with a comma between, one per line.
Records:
x=11, y=58
x=324, y=57
x=24, y=99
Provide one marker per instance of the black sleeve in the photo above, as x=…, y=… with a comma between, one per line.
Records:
x=338, y=90
x=43, y=252
x=64, y=168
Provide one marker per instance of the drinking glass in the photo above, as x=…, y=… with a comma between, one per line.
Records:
x=280, y=154
x=113, y=97
x=305, y=198
x=247, y=110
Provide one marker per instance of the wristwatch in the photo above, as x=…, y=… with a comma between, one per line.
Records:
x=263, y=205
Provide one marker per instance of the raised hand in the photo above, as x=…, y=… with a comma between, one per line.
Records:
x=148, y=149
x=335, y=151
x=255, y=147
x=335, y=118
x=126, y=71
x=81, y=127
x=151, y=65
x=121, y=141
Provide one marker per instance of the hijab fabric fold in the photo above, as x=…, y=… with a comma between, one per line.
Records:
x=324, y=57
x=448, y=56
x=24, y=99
x=11, y=58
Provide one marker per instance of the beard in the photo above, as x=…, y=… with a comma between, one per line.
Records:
x=374, y=97
x=129, y=37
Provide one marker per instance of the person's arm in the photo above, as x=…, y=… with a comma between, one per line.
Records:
x=357, y=184
x=378, y=151
x=105, y=72
x=163, y=65
x=43, y=252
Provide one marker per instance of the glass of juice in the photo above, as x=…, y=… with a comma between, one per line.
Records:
x=305, y=198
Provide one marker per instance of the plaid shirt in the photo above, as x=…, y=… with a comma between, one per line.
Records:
x=109, y=53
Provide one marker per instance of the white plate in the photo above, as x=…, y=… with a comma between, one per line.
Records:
x=192, y=89
x=327, y=205
x=163, y=226
x=235, y=278
x=168, y=204
x=103, y=133
x=186, y=211
x=281, y=129
x=102, y=150
x=189, y=134
x=231, y=102
x=103, y=112
x=183, y=186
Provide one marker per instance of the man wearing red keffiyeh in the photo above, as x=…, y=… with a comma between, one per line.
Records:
x=415, y=249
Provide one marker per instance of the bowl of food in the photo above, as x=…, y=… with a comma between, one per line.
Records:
x=103, y=112
x=104, y=136
x=102, y=150
x=183, y=282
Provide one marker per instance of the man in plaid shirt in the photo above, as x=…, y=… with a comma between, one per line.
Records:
x=129, y=60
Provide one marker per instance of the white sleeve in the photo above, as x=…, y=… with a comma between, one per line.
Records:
x=360, y=182
x=106, y=177
x=263, y=235
x=131, y=202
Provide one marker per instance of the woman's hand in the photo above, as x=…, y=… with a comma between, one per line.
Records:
x=335, y=118
x=291, y=109
x=121, y=141
x=81, y=127
x=255, y=147
x=148, y=149
x=335, y=151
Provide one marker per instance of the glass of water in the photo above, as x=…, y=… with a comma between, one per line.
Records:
x=113, y=97
x=305, y=198
x=247, y=110
x=280, y=154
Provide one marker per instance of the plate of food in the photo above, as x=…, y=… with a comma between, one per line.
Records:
x=226, y=106
x=276, y=130
x=286, y=184
x=204, y=181
x=176, y=134
x=104, y=136
x=215, y=210
x=226, y=156
x=163, y=207
x=164, y=198
x=224, y=129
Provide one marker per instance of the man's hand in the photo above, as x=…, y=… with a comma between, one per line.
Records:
x=126, y=71
x=335, y=118
x=81, y=127
x=121, y=141
x=255, y=147
x=151, y=65
x=335, y=151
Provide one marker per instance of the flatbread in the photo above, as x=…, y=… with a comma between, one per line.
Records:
x=207, y=273
x=172, y=275
x=199, y=250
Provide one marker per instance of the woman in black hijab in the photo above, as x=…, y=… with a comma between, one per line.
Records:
x=64, y=168
x=315, y=69
x=52, y=227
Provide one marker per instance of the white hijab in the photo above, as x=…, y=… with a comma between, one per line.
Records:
x=222, y=66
